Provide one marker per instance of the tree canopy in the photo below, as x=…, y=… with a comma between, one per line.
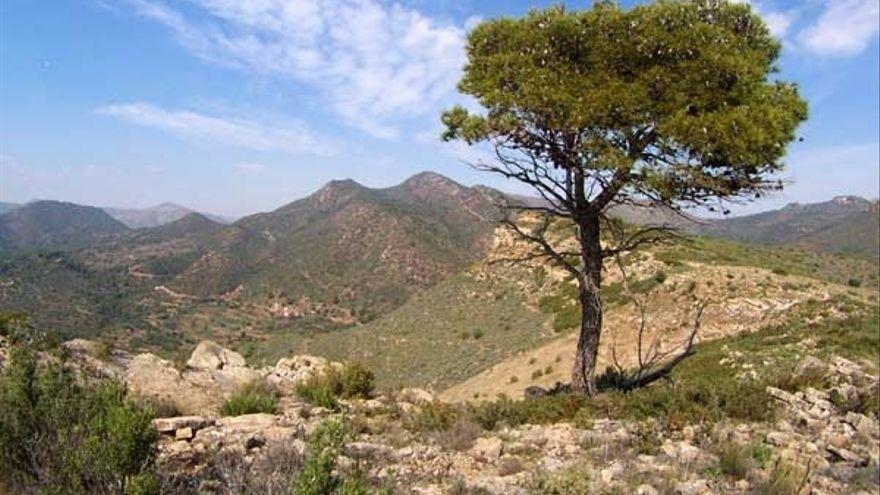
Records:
x=673, y=101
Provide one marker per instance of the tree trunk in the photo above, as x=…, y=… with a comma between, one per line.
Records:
x=583, y=373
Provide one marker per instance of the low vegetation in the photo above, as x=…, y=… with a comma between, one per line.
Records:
x=700, y=391
x=254, y=397
x=61, y=436
x=352, y=381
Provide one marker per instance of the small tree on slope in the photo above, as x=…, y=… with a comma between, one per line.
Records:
x=671, y=104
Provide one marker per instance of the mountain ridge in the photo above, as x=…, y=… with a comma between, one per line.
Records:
x=54, y=224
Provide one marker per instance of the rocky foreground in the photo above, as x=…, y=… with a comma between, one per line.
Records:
x=813, y=447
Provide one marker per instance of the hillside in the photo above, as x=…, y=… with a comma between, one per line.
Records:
x=356, y=251
x=495, y=327
x=846, y=225
x=55, y=224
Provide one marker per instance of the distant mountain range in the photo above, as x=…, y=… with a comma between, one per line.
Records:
x=844, y=225
x=6, y=207
x=157, y=215
x=139, y=218
x=343, y=256
x=52, y=224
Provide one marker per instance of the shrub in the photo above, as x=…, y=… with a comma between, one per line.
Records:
x=436, y=416
x=784, y=479
x=648, y=438
x=352, y=381
x=854, y=282
x=571, y=481
x=60, y=436
x=324, y=445
x=254, y=397
x=509, y=466
x=357, y=381
x=458, y=437
x=736, y=461
x=320, y=475
x=780, y=271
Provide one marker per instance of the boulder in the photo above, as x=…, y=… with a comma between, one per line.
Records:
x=488, y=448
x=291, y=371
x=811, y=366
x=417, y=396
x=211, y=356
x=151, y=377
x=170, y=425
x=196, y=391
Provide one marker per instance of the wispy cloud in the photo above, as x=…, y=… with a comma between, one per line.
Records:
x=377, y=65
x=295, y=138
x=249, y=168
x=844, y=27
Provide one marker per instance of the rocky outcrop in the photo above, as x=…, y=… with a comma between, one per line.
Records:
x=209, y=356
x=211, y=374
x=289, y=372
x=812, y=434
x=817, y=432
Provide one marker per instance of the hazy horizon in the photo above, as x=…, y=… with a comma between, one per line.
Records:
x=232, y=217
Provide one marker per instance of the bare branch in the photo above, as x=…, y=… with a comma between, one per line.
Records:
x=538, y=238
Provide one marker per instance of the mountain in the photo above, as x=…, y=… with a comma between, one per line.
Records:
x=355, y=251
x=846, y=225
x=55, y=224
x=7, y=207
x=155, y=216
x=189, y=225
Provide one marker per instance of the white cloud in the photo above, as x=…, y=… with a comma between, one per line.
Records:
x=249, y=168
x=377, y=65
x=779, y=22
x=845, y=27
x=294, y=139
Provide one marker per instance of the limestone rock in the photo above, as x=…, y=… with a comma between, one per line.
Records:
x=211, y=356
x=185, y=433
x=811, y=366
x=488, y=448
x=291, y=371
x=170, y=425
x=646, y=490
x=417, y=396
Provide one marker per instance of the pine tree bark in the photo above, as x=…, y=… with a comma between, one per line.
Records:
x=583, y=372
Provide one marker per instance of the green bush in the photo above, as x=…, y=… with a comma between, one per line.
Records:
x=352, y=381
x=854, y=282
x=784, y=479
x=320, y=475
x=58, y=436
x=736, y=461
x=254, y=397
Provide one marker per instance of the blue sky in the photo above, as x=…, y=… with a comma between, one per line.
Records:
x=238, y=106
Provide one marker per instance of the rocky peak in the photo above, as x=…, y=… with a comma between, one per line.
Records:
x=335, y=192
x=431, y=185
